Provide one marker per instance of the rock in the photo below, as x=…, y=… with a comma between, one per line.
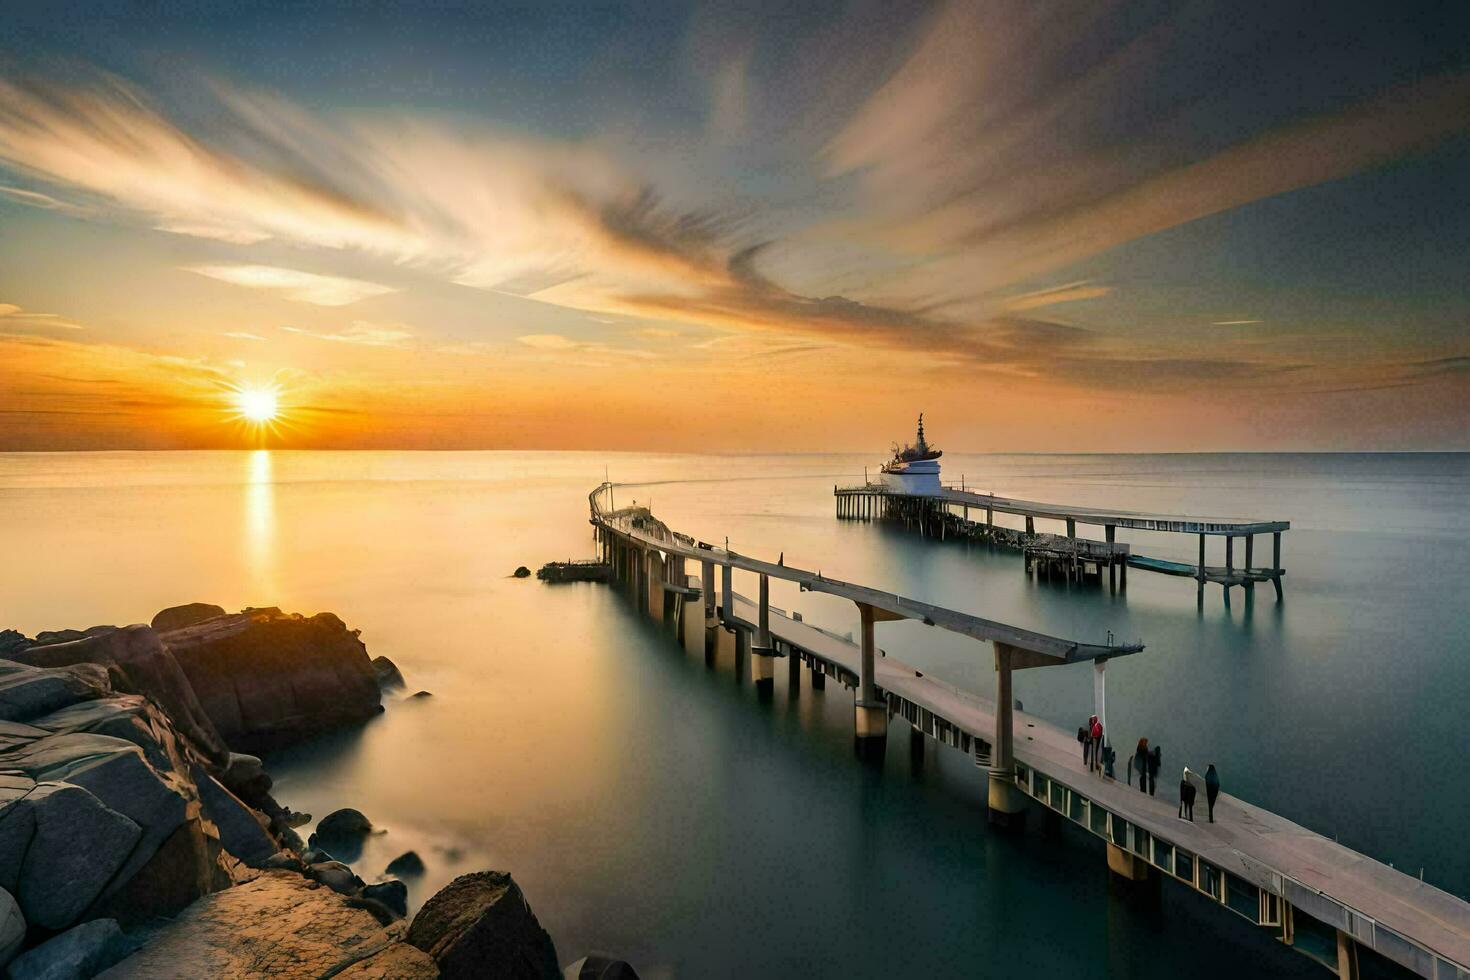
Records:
x=12, y=640
x=390, y=678
x=315, y=855
x=278, y=924
x=405, y=865
x=392, y=893
x=12, y=927
x=336, y=876
x=48, y=637
x=245, y=776
x=177, y=617
x=522, y=572
x=27, y=693
x=240, y=829
x=599, y=966
x=138, y=663
x=80, y=952
x=421, y=694
x=379, y=911
x=187, y=866
x=75, y=849
x=481, y=925
x=284, y=861
x=344, y=823
x=267, y=679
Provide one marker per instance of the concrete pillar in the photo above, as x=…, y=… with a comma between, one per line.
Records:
x=871, y=713
x=1006, y=801
x=1111, y=533
x=1126, y=864
x=762, y=659
x=1071, y=527
x=819, y=678
x=727, y=593
x=1347, y=957
x=707, y=584
x=1030, y=524
x=1276, y=562
x=1200, y=595
x=1250, y=547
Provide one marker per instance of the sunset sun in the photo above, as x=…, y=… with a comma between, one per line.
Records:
x=258, y=404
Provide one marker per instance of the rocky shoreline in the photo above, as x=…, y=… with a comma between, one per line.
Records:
x=139, y=836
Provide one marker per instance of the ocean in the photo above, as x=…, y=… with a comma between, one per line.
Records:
x=657, y=808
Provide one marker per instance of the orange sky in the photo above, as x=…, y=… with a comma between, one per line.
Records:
x=1009, y=243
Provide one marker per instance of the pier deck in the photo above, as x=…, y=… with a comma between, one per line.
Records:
x=1322, y=898
x=932, y=511
x=1378, y=904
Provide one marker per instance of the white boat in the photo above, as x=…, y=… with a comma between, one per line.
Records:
x=913, y=469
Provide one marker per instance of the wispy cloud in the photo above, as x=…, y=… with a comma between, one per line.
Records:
x=242, y=335
x=1233, y=323
x=360, y=332
x=14, y=317
x=1070, y=293
x=304, y=287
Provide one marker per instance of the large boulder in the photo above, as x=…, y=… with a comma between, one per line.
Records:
x=47, y=637
x=267, y=679
x=242, y=831
x=27, y=693
x=278, y=924
x=138, y=663
x=390, y=678
x=392, y=893
x=12, y=641
x=481, y=925
x=12, y=927
x=177, y=617
x=599, y=966
x=75, y=847
x=83, y=951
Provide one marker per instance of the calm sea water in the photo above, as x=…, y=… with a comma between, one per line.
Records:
x=656, y=807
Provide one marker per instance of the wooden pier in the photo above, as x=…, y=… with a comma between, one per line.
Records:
x=1068, y=555
x=1314, y=895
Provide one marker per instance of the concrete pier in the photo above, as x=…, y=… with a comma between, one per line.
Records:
x=1276, y=874
x=1070, y=557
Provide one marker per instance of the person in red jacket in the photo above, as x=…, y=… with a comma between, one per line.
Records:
x=1097, y=737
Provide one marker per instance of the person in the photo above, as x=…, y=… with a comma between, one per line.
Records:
x=1109, y=757
x=1084, y=737
x=1097, y=737
x=1140, y=762
x=782, y=560
x=1186, y=796
x=1155, y=762
x=1212, y=789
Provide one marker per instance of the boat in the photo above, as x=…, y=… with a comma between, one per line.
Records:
x=913, y=469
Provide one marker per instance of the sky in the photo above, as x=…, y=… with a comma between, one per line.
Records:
x=1081, y=226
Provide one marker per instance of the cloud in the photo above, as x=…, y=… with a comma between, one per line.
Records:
x=304, y=287
x=46, y=202
x=361, y=333
x=549, y=341
x=1069, y=293
x=242, y=335
x=557, y=344
x=1233, y=323
x=13, y=317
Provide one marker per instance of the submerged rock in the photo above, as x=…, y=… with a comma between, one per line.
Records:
x=336, y=876
x=522, y=572
x=392, y=893
x=405, y=865
x=599, y=966
x=80, y=952
x=390, y=678
x=420, y=696
x=177, y=617
x=345, y=823
x=481, y=925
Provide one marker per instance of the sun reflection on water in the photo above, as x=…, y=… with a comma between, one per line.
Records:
x=259, y=545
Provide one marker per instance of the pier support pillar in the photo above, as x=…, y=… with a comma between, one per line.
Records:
x=1100, y=693
x=870, y=712
x=1347, y=957
x=1250, y=547
x=1071, y=527
x=1111, y=533
x=1126, y=864
x=1201, y=570
x=1276, y=562
x=727, y=593
x=1030, y=524
x=1006, y=801
x=762, y=659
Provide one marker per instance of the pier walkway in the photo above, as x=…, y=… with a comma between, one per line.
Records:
x=1319, y=897
x=933, y=513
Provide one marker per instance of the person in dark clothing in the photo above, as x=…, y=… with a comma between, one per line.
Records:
x=1086, y=740
x=1212, y=789
x=1097, y=741
x=1109, y=757
x=1155, y=761
x=1186, y=797
x=1140, y=762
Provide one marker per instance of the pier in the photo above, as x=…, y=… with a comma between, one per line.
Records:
x=1314, y=895
x=1067, y=554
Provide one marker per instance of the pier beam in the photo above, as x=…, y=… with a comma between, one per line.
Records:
x=762, y=656
x=1126, y=864
x=1006, y=801
x=870, y=711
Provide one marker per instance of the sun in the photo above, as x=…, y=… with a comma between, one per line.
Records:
x=258, y=405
